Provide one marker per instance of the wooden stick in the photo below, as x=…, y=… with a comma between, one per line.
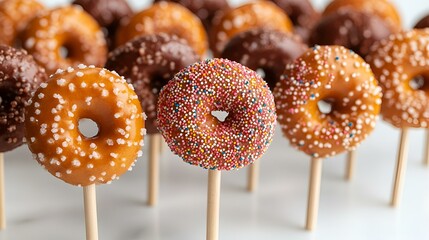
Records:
x=2, y=193
x=350, y=165
x=253, y=177
x=153, y=181
x=426, y=147
x=161, y=145
x=90, y=207
x=401, y=167
x=314, y=193
x=213, y=202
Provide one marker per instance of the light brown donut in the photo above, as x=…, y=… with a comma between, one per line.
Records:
x=396, y=61
x=259, y=14
x=52, y=121
x=14, y=17
x=165, y=17
x=70, y=28
x=336, y=75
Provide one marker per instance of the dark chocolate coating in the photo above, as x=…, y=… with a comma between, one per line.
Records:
x=302, y=14
x=20, y=76
x=423, y=23
x=148, y=63
x=108, y=13
x=354, y=30
x=265, y=49
x=206, y=10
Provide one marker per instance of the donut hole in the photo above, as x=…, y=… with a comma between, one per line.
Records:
x=88, y=128
x=220, y=115
x=158, y=81
x=268, y=75
x=418, y=83
x=325, y=106
x=66, y=50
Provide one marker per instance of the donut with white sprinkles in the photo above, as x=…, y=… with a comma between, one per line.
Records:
x=20, y=76
x=396, y=62
x=64, y=37
x=339, y=77
x=186, y=122
x=54, y=136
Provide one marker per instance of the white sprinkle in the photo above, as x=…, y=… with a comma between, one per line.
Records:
x=76, y=163
x=61, y=82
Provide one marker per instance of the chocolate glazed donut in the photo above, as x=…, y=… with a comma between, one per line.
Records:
x=149, y=62
x=108, y=13
x=352, y=29
x=206, y=10
x=302, y=14
x=265, y=49
x=20, y=76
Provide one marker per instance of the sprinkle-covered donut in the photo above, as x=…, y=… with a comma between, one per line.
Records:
x=356, y=30
x=383, y=8
x=19, y=77
x=206, y=10
x=14, y=17
x=67, y=28
x=396, y=61
x=52, y=126
x=166, y=17
x=149, y=62
x=337, y=76
x=265, y=49
x=259, y=14
x=186, y=122
x=301, y=13
x=108, y=14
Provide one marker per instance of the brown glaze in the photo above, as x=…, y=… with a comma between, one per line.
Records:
x=206, y=10
x=259, y=14
x=108, y=14
x=354, y=30
x=149, y=62
x=396, y=61
x=383, y=8
x=265, y=49
x=301, y=13
x=68, y=27
x=166, y=17
x=52, y=126
x=423, y=23
x=332, y=74
x=14, y=17
x=20, y=76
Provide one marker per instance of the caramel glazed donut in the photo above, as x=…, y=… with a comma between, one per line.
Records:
x=186, y=122
x=166, y=17
x=14, y=17
x=336, y=75
x=70, y=28
x=148, y=63
x=19, y=77
x=396, y=61
x=258, y=14
x=53, y=116
x=265, y=49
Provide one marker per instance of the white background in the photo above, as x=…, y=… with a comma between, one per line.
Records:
x=41, y=207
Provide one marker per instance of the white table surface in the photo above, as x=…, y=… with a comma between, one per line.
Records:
x=41, y=207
